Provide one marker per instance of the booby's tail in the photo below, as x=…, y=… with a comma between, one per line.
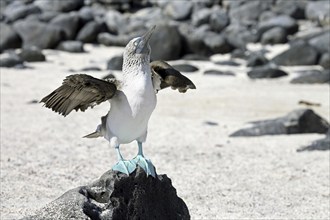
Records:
x=95, y=134
x=100, y=130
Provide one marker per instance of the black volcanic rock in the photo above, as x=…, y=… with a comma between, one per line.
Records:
x=185, y=68
x=296, y=122
x=35, y=33
x=118, y=196
x=298, y=54
x=256, y=59
x=295, y=9
x=266, y=72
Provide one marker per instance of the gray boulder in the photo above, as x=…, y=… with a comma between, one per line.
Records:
x=321, y=144
x=115, y=22
x=312, y=77
x=265, y=72
x=321, y=42
x=239, y=35
x=71, y=46
x=32, y=54
x=248, y=11
x=165, y=43
x=318, y=11
x=325, y=61
x=10, y=60
x=18, y=10
x=8, y=37
x=201, y=16
x=298, y=54
x=275, y=35
x=296, y=122
x=115, y=63
x=179, y=10
x=59, y=5
x=295, y=9
x=68, y=23
x=284, y=21
x=217, y=43
x=38, y=34
x=113, y=40
x=88, y=34
x=118, y=196
x=218, y=19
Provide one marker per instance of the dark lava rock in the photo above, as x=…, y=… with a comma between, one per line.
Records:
x=59, y=5
x=266, y=72
x=321, y=144
x=88, y=34
x=185, y=68
x=296, y=122
x=115, y=63
x=86, y=14
x=8, y=37
x=284, y=21
x=179, y=10
x=318, y=11
x=18, y=10
x=298, y=54
x=10, y=60
x=38, y=34
x=118, y=196
x=256, y=59
x=32, y=54
x=165, y=43
x=68, y=23
x=321, y=42
x=71, y=46
x=295, y=9
x=219, y=73
x=276, y=35
x=312, y=77
x=325, y=61
x=113, y=40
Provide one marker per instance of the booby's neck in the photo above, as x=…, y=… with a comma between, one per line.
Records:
x=137, y=66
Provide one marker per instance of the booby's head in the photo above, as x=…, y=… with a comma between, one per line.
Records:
x=138, y=49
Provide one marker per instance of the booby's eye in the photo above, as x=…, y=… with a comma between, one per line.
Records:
x=135, y=43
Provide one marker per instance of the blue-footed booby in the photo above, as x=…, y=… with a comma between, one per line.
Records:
x=132, y=99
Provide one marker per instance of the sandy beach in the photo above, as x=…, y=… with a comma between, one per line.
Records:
x=218, y=177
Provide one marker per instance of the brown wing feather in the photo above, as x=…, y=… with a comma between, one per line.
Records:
x=78, y=92
x=170, y=77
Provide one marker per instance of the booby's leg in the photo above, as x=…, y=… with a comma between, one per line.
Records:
x=143, y=162
x=123, y=166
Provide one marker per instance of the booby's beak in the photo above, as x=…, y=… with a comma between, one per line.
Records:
x=144, y=42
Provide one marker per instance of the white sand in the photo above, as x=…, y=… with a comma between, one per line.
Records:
x=43, y=154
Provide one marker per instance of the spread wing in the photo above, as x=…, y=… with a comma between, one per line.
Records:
x=78, y=92
x=164, y=75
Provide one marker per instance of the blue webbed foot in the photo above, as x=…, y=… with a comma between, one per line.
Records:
x=145, y=164
x=124, y=166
